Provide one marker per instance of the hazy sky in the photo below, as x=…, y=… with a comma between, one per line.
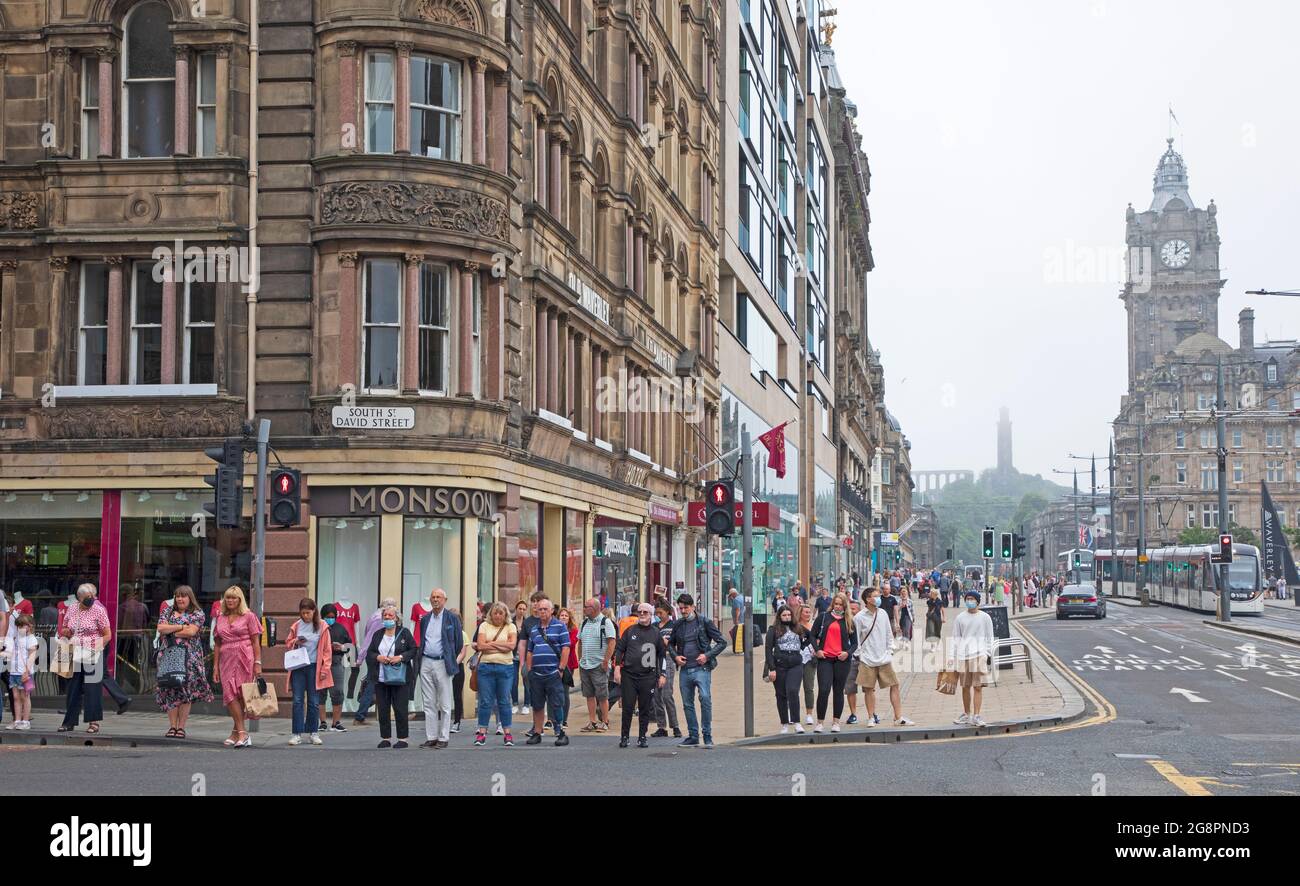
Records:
x=1004, y=134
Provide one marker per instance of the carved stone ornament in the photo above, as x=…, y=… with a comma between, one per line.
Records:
x=427, y=206
x=456, y=13
x=143, y=421
x=19, y=212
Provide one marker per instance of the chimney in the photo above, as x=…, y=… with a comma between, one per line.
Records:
x=1246, y=323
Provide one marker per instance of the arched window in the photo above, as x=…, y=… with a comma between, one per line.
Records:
x=148, y=83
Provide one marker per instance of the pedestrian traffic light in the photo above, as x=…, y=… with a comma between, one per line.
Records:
x=228, y=482
x=988, y=544
x=1225, y=548
x=286, y=497
x=1018, y=546
x=1006, y=546
x=720, y=507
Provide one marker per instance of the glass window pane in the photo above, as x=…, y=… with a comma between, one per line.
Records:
x=379, y=77
x=202, y=365
x=148, y=356
x=94, y=357
x=208, y=129
x=94, y=297
x=433, y=296
x=487, y=573
x=149, y=42
x=382, y=343
x=207, y=79
x=430, y=133
x=92, y=136
x=150, y=114
x=203, y=303
x=422, y=75
x=433, y=360
x=347, y=563
x=148, y=295
x=379, y=129
x=382, y=302
x=431, y=558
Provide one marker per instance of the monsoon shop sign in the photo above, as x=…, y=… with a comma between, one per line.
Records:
x=416, y=501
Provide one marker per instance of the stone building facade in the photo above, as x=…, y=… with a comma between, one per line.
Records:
x=480, y=315
x=1171, y=301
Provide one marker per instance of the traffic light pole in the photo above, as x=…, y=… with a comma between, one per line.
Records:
x=747, y=572
x=1114, y=539
x=259, y=519
x=1225, y=599
x=1142, y=511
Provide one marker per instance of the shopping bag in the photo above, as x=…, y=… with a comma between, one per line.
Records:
x=297, y=658
x=947, y=682
x=62, y=664
x=259, y=699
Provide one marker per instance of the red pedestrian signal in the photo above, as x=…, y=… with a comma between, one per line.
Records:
x=719, y=507
x=286, y=497
x=1225, y=548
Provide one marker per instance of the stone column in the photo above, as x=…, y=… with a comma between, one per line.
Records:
x=402, y=101
x=113, y=371
x=411, y=324
x=106, y=118
x=630, y=250
x=501, y=125
x=58, y=318
x=348, y=344
x=494, y=383
x=640, y=264
x=168, y=329
x=59, y=102
x=181, y=129
x=553, y=360
x=8, y=290
x=555, y=168
x=349, y=132
x=465, y=388
x=479, y=110
x=570, y=389
x=540, y=163
x=540, y=356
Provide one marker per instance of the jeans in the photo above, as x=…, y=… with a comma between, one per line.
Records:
x=692, y=679
x=306, y=700
x=81, y=694
x=494, y=682
x=367, y=697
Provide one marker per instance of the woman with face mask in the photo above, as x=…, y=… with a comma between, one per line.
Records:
x=86, y=625
x=340, y=645
x=783, y=662
x=392, y=649
x=835, y=640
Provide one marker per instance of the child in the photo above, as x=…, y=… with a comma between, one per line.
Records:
x=339, y=648
x=22, y=664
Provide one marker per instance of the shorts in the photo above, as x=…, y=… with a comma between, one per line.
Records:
x=16, y=681
x=336, y=691
x=970, y=669
x=872, y=676
x=595, y=683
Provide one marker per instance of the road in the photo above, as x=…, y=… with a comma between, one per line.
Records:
x=1240, y=739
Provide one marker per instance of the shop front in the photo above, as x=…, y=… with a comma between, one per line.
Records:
x=661, y=557
x=616, y=563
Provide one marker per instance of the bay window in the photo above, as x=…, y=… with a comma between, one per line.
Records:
x=148, y=83
x=92, y=325
x=435, y=107
x=146, y=326
x=382, y=325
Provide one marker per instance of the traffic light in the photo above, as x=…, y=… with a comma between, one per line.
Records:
x=1006, y=546
x=1018, y=546
x=988, y=544
x=286, y=496
x=1078, y=559
x=228, y=482
x=949, y=557
x=1225, y=548
x=600, y=545
x=720, y=507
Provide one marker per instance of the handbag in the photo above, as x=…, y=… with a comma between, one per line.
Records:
x=62, y=664
x=259, y=699
x=474, y=662
x=392, y=674
x=296, y=658
x=171, y=665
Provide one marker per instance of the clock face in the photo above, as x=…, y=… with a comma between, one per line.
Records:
x=1176, y=254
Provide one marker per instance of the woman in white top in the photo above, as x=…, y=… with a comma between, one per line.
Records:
x=392, y=650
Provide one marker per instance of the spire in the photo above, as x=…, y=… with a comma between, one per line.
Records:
x=1170, y=181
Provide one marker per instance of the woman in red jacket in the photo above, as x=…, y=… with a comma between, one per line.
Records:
x=310, y=675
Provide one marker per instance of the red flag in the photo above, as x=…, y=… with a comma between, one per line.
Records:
x=774, y=440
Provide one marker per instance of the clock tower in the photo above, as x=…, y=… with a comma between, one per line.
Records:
x=1173, y=269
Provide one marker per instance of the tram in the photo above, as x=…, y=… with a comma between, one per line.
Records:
x=1187, y=577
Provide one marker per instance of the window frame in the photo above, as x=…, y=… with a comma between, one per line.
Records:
x=133, y=378
x=90, y=107
x=188, y=326
x=204, y=111
x=444, y=271
x=367, y=326
x=367, y=102
x=82, y=350
x=452, y=151
x=127, y=81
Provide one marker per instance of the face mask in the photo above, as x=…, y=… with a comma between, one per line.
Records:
x=390, y=623
x=330, y=621
x=656, y=619
x=972, y=604
x=88, y=602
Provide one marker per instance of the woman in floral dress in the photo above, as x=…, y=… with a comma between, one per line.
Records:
x=181, y=624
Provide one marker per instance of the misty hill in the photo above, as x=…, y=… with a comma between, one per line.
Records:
x=1002, y=499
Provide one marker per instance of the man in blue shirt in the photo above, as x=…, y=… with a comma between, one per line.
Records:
x=548, y=657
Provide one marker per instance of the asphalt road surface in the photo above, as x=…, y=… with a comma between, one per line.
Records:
x=1240, y=738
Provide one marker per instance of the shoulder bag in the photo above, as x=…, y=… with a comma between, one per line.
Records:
x=566, y=674
x=171, y=664
x=473, y=673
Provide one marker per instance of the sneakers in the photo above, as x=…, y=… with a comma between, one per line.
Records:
x=870, y=722
x=455, y=727
x=526, y=710
x=852, y=720
x=677, y=733
x=903, y=721
x=514, y=709
x=835, y=727
x=785, y=730
x=602, y=727
x=798, y=728
x=399, y=744
x=480, y=738
x=315, y=739
x=689, y=742
x=547, y=725
x=534, y=738
x=708, y=743
x=338, y=727
x=622, y=742
x=561, y=740
x=295, y=741
x=509, y=740
x=500, y=730
x=26, y=724
x=875, y=720
x=977, y=720
x=384, y=744
x=659, y=733
x=962, y=720
x=808, y=719
x=642, y=743
x=817, y=728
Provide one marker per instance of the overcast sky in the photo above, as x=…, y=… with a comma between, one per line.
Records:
x=1003, y=134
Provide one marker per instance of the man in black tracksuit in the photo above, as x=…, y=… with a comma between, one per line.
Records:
x=639, y=668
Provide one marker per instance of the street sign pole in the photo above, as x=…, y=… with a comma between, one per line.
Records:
x=747, y=573
x=1225, y=599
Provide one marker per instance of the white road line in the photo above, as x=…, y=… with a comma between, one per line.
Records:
x=1162, y=649
x=1192, y=660
x=1139, y=640
x=1233, y=676
x=1118, y=631
x=1276, y=692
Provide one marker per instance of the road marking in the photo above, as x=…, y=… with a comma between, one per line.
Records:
x=1138, y=640
x=1192, y=696
x=1188, y=784
x=1233, y=676
x=1137, y=756
x=1277, y=692
x=1192, y=660
x=1104, y=650
x=1162, y=649
x=1118, y=631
